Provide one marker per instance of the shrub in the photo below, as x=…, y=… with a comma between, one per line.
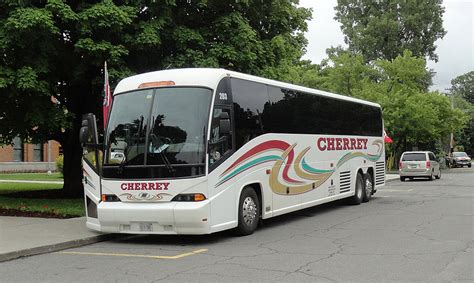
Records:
x=60, y=164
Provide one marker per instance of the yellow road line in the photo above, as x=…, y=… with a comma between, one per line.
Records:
x=142, y=256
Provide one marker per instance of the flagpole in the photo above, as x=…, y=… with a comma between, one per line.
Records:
x=107, y=102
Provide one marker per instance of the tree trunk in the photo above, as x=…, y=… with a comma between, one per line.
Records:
x=80, y=99
x=72, y=169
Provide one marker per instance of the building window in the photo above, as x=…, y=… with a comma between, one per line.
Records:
x=17, y=149
x=37, y=152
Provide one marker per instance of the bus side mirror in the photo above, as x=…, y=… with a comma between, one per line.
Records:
x=88, y=132
x=224, y=124
x=84, y=132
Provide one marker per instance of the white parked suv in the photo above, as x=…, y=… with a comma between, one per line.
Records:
x=419, y=164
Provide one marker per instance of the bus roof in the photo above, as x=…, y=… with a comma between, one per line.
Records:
x=210, y=77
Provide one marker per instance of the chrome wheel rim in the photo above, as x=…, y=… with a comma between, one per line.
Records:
x=368, y=187
x=249, y=211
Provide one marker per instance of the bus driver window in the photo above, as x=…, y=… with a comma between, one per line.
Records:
x=219, y=143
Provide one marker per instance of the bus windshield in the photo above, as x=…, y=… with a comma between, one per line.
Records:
x=157, y=133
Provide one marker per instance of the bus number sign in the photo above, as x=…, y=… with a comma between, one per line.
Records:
x=222, y=96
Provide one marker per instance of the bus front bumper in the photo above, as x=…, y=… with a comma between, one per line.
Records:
x=152, y=218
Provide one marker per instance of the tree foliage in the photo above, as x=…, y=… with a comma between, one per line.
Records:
x=463, y=86
x=384, y=29
x=53, y=51
x=462, y=95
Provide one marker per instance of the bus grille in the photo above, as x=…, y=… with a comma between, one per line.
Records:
x=344, y=181
x=379, y=173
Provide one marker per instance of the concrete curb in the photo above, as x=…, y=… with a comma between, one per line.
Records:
x=57, y=247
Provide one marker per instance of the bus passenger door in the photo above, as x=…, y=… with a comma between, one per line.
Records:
x=91, y=164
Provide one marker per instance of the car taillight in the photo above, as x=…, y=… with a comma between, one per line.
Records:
x=400, y=165
x=428, y=164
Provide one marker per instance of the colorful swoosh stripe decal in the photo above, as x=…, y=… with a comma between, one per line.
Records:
x=313, y=177
x=259, y=149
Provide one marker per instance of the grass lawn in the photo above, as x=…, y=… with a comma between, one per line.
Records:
x=6, y=188
x=31, y=176
x=68, y=207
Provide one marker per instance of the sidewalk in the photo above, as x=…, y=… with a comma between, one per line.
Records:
x=24, y=236
x=391, y=177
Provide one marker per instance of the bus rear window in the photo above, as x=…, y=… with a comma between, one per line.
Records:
x=414, y=157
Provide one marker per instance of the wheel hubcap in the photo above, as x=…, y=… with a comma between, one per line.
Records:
x=249, y=211
x=368, y=187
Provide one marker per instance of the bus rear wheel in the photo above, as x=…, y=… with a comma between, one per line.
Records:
x=249, y=212
x=359, y=191
x=368, y=187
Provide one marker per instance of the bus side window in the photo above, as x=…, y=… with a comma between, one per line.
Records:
x=219, y=144
x=249, y=100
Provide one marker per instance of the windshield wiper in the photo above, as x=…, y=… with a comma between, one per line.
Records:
x=161, y=150
x=124, y=160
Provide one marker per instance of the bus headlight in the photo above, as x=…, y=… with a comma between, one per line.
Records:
x=189, y=197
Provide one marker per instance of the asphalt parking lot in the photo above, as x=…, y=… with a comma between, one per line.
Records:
x=410, y=231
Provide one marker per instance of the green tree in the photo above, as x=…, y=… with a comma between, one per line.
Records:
x=385, y=28
x=462, y=95
x=53, y=50
x=463, y=86
x=345, y=72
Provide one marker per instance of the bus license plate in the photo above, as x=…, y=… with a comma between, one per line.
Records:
x=146, y=227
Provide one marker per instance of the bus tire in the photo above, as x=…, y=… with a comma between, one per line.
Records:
x=358, y=196
x=249, y=212
x=368, y=187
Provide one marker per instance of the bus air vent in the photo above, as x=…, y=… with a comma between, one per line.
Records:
x=379, y=173
x=344, y=181
x=91, y=208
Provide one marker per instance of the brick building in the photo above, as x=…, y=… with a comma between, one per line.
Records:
x=25, y=157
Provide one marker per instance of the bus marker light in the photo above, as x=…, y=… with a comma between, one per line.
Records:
x=189, y=197
x=156, y=84
x=269, y=171
x=109, y=198
x=199, y=197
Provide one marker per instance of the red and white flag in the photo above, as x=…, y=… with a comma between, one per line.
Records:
x=386, y=138
x=107, y=96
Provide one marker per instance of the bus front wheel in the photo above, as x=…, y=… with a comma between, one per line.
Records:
x=249, y=212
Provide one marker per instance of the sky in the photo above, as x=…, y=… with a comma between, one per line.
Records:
x=455, y=50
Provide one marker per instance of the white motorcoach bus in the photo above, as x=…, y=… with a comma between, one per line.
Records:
x=196, y=151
